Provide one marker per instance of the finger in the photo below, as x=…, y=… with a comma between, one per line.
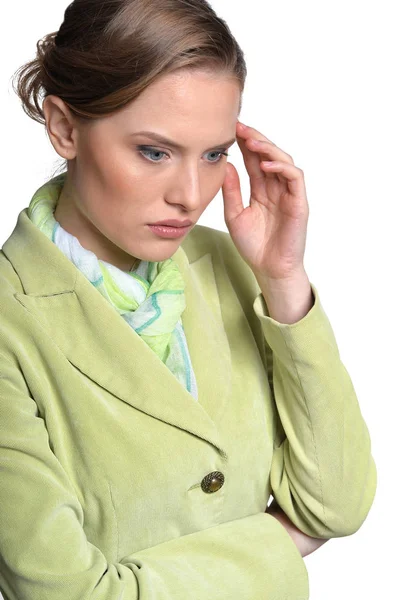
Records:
x=249, y=133
x=293, y=175
x=246, y=131
x=231, y=189
x=252, y=165
x=267, y=149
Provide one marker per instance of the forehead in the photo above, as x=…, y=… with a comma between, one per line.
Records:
x=182, y=110
x=187, y=96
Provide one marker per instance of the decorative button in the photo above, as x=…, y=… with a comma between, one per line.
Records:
x=212, y=482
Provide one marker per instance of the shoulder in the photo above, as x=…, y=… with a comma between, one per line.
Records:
x=14, y=323
x=9, y=280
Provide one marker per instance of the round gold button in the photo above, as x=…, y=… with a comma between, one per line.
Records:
x=212, y=482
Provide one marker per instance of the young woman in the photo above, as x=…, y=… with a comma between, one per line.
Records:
x=159, y=382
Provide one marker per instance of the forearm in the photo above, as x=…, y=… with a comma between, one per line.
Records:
x=305, y=544
x=289, y=304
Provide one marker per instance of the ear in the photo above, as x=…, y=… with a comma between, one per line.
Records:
x=60, y=126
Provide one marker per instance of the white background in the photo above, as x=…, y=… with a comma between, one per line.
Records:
x=322, y=85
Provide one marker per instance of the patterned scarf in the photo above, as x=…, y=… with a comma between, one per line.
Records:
x=150, y=297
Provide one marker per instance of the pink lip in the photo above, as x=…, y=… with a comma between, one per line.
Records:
x=165, y=231
x=173, y=223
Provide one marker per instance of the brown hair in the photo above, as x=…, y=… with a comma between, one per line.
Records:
x=106, y=53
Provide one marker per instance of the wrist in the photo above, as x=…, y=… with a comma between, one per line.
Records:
x=305, y=543
x=288, y=300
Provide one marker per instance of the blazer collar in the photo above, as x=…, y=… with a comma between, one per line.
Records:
x=99, y=342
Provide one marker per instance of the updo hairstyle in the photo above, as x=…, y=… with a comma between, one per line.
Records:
x=106, y=52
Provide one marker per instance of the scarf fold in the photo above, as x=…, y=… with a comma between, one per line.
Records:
x=150, y=297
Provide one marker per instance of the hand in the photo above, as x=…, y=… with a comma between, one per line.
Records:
x=305, y=543
x=270, y=234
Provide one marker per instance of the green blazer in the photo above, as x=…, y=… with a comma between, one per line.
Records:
x=117, y=485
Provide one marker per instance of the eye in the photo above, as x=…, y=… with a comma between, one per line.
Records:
x=144, y=150
x=220, y=153
x=149, y=150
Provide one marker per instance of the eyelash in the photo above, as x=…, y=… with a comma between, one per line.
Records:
x=149, y=149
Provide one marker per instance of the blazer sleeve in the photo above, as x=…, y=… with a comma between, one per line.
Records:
x=323, y=474
x=46, y=555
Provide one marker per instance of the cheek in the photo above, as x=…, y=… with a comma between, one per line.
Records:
x=211, y=183
x=219, y=180
x=131, y=176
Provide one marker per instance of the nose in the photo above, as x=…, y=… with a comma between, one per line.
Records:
x=186, y=189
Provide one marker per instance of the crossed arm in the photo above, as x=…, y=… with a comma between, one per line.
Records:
x=306, y=544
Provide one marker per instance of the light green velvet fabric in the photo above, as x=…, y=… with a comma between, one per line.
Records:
x=102, y=450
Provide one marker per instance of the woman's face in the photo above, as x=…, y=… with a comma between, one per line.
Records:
x=120, y=180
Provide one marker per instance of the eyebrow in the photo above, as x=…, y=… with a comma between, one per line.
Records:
x=164, y=140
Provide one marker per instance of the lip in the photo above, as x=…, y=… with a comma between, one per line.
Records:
x=164, y=231
x=173, y=223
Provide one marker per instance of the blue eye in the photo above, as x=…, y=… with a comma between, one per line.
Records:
x=144, y=150
x=220, y=153
x=148, y=150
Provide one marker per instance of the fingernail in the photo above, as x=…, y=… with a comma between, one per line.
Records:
x=242, y=126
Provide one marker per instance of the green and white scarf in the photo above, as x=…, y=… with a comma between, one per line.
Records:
x=150, y=298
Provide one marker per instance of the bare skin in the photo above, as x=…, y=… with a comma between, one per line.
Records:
x=305, y=544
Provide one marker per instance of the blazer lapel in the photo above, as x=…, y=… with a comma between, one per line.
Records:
x=99, y=342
